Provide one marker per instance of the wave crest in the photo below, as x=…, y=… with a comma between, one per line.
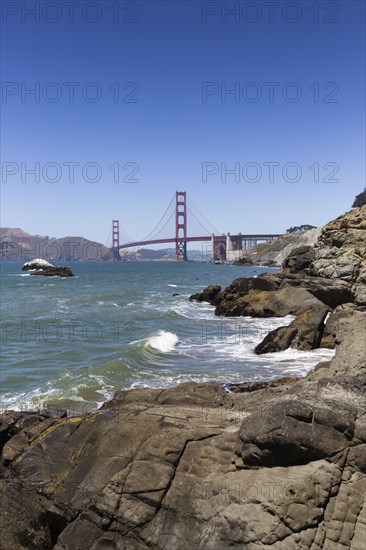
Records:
x=164, y=341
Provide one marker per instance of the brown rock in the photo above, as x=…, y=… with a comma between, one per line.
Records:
x=299, y=259
x=257, y=303
x=304, y=333
x=207, y=295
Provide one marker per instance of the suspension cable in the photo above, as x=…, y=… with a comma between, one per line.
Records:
x=161, y=219
x=129, y=239
x=198, y=221
x=204, y=217
x=109, y=240
x=166, y=223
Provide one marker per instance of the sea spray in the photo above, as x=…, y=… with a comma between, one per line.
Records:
x=164, y=341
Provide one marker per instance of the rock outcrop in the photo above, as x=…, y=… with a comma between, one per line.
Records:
x=244, y=260
x=45, y=268
x=314, y=281
x=341, y=252
x=273, y=253
x=299, y=259
x=305, y=333
x=207, y=295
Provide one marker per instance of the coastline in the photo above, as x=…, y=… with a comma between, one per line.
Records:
x=281, y=464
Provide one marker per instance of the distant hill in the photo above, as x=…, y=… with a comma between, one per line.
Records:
x=144, y=254
x=163, y=254
x=16, y=244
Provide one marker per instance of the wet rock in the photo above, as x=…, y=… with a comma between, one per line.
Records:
x=54, y=272
x=207, y=295
x=243, y=261
x=304, y=333
x=245, y=387
x=261, y=303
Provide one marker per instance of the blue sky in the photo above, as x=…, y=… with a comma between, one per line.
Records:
x=167, y=123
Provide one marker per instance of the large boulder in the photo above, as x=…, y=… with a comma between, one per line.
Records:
x=304, y=333
x=341, y=248
x=207, y=295
x=238, y=288
x=331, y=333
x=55, y=271
x=243, y=295
x=244, y=260
x=350, y=342
x=262, y=303
x=299, y=259
x=331, y=292
x=296, y=432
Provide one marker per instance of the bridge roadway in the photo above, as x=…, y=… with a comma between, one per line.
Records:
x=253, y=237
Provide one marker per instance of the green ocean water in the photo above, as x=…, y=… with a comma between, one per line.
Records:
x=73, y=342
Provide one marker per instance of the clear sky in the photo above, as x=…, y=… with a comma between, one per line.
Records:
x=146, y=88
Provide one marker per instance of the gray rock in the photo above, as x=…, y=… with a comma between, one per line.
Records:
x=295, y=432
x=299, y=259
x=258, y=303
x=207, y=295
x=304, y=333
x=341, y=248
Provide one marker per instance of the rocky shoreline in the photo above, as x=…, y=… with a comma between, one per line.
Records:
x=280, y=464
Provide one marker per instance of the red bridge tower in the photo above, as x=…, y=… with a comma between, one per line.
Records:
x=180, y=226
x=115, y=240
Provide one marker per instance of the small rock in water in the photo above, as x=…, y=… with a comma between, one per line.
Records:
x=45, y=268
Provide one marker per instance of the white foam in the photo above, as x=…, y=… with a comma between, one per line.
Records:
x=190, y=310
x=40, y=398
x=37, y=263
x=174, y=286
x=164, y=341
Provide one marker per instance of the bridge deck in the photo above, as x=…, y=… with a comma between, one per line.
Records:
x=252, y=237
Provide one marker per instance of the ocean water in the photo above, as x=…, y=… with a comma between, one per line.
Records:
x=73, y=342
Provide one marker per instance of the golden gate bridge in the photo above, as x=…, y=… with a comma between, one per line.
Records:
x=223, y=246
